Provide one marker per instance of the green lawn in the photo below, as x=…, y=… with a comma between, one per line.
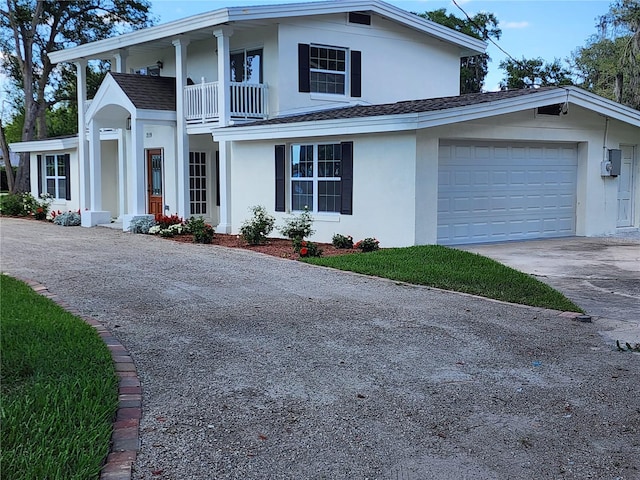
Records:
x=59, y=390
x=452, y=269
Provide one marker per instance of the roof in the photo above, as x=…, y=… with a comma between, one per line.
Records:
x=148, y=92
x=200, y=26
x=419, y=114
x=400, y=108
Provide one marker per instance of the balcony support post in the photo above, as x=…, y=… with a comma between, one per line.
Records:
x=224, y=67
x=182, y=143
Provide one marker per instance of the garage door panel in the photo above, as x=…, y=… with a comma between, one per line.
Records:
x=503, y=192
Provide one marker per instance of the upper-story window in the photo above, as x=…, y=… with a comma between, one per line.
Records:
x=246, y=66
x=153, y=70
x=329, y=70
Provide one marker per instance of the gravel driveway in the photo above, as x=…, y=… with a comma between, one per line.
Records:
x=254, y=367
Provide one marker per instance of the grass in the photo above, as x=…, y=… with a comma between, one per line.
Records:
x=452, y=269
x=59, y=390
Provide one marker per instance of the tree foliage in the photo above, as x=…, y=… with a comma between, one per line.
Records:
x=609, y=64
x=533, y=73
x=483, y=26
x=30, y=29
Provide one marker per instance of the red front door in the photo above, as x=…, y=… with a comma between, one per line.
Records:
x=154, y=181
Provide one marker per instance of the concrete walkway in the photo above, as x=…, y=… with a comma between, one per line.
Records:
x=254, y=367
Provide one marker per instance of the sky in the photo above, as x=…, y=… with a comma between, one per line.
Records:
x=548, y=29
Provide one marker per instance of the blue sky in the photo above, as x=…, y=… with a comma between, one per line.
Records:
x=541, y=28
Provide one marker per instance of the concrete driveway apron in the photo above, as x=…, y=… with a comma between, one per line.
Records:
x=600, y=274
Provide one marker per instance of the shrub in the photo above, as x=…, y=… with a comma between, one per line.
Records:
x=69, y=219
x=255, y=230
x=164, y=221
x=298, y=226
x=340, y=241
x=12, y=205
x=202, y=231
x=141, y=225
x=367, y=245
x=305, y=248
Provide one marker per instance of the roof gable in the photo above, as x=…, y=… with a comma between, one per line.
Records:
x=148, y=92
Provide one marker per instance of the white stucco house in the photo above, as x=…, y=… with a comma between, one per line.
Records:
x=349, y=107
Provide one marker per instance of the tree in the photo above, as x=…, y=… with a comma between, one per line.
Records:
x=29, y=29
x=609, y=64
x=483, y=26
x=533, y=73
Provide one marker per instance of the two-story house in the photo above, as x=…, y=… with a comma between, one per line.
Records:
x=350, y=108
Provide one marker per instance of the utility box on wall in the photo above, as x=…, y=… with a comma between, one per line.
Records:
x=611, y=168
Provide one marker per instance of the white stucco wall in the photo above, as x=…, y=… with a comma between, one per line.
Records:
x=383, y=189
x=110, y=176
x=57, y=203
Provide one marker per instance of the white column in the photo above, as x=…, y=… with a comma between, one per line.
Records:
x=122, y=173
x=83, y=148
x=120, y=61
x=95, y=215
x=224, y=73
x=182, y=139
x=225, y=188
x=138, y=184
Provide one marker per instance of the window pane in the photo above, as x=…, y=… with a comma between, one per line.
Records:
x=329, y=199
x=301, y=161
x=301, y=194
x=62, y=188
x=51, y=187
x=61, y=172
x=329, y=160
x=50, y=164
x=327, y=83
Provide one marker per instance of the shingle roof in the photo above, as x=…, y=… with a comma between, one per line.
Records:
x=400, y=108
x=148, y=92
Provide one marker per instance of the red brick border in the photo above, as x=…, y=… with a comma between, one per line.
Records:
x=125, y=437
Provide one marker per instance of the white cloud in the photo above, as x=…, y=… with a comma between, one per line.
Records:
x=514, y=25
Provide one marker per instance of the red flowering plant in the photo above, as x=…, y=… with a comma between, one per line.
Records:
x=367, y=245
x=305, y=248
x=165, y=221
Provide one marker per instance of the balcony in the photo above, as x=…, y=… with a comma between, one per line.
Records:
x=247, y=101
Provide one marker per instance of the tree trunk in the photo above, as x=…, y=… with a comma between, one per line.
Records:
x=618, y=88
x=7, y=159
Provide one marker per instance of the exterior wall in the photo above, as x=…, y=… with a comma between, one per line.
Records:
x=383, y=188
x=58, y=204
x=596, y=207
x=397, y=63
x=110, y=177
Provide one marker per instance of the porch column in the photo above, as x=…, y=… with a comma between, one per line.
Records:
x=83, y=147
x=225, y=188
x=182, y=138
x=224, y=75
x=95, y=215
x=120, y=61
x=138, y=187
x=122, y=173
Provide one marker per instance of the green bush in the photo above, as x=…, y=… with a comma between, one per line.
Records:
x=202, y=231
x=298, y=226
x=141, y=225
x=367, y=245
x=340, y=241
x=12, y=205
x=255, y=230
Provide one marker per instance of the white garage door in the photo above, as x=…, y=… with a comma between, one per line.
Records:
x=491, y=192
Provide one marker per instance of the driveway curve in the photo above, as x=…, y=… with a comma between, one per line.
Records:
x=254, y=367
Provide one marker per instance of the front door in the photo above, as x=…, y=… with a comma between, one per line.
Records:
x=625, y=188
x=154, y=181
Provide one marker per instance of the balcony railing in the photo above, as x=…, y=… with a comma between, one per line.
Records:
x=247, y=101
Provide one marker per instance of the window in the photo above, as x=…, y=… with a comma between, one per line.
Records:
x=198, y=183
x=330, y=70
x=153, y=70
x=54, y=175
x=246, y=66
x=315, y=177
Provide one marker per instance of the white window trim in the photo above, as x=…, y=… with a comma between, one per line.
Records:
x=315, y=179
x=346, y=73
x=56, y=178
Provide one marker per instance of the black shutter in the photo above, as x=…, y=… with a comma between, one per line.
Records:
x=356, y=73
x=280, y=178
x=346, y=183
x=67, y=175
x=217, y=178
x=39, y=174
x=304, y=81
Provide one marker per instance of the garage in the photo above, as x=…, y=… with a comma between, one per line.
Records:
x=492, y=192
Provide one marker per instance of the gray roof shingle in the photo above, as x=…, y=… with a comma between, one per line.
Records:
x=400, y=108
x=148, y=92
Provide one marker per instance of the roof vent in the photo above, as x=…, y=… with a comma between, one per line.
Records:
x=360, y=18
x=551, y=109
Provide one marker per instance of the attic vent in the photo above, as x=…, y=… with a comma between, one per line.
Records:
x=360, y=18
x=550, y=109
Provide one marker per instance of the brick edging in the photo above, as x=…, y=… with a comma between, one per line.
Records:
x=125, y=437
